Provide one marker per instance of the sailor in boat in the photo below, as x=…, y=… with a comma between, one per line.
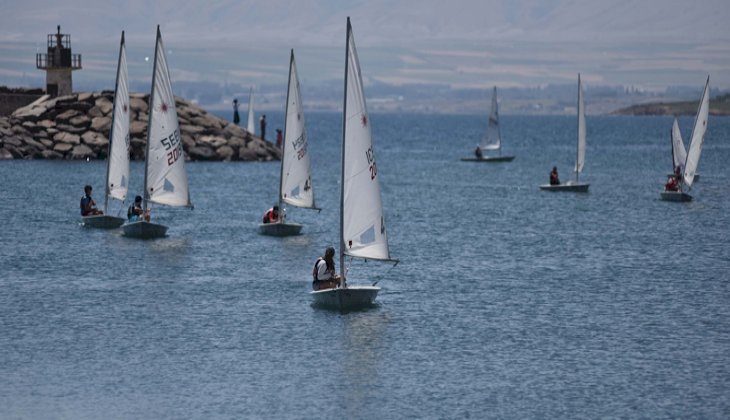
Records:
x=87, y=204
x=478, y=152
x=554, y=179
x=677, y=178
x=135, y=211
x=324, y=274
x=272, y=215
x=672, y=183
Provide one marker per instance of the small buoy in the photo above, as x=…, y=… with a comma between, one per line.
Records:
x=87, y=158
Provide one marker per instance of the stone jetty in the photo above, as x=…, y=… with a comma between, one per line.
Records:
x=77, y=127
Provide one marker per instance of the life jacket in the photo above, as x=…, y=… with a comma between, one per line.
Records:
x=269, y=216
x=84, y=203
x=315, y=270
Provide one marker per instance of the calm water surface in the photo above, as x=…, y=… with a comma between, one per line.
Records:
x=509, y=302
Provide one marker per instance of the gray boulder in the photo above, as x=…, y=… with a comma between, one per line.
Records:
x=67, y=138
x=5, y=154
x=82, y=151
x=201, y=153
x=104, y=105
x=67, y=115
x=102, y=124
x=224, y=152
x=80, y=121
x=62, y=147
x=50, y=154
x=94, y=139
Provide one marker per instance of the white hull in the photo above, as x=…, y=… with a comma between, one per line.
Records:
x=675, y=196
x=144, y=230
x=488, y=159
x=280, y=229
x=352, y=297
x=103, y=221
x=569, y=187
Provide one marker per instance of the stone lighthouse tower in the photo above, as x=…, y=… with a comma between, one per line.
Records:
x=58, y=64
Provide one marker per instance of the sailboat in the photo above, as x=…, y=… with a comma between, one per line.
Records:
x=250, y=126
x=679, y=154
x=492, y=139
x=295, y=186
x=362, y=225
x=576, y=186
x=695, y=149
x=117, y=163
x=165, y=179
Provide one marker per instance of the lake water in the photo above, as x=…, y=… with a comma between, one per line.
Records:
x=509, y=302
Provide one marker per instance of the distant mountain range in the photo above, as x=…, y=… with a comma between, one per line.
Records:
x=555, y=99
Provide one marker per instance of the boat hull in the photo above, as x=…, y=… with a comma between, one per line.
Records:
x=569, y=187
x=488, y=159
x=349, y=298
x=144, y=230
x=280, y=229
x=675, y=196
x=103, y=221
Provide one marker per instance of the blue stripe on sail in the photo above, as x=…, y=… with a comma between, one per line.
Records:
x=168, y=186
x=368, y=236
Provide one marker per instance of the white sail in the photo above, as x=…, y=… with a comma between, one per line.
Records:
x=363, y=226
x=166, y=181
x=581, y=156
x=296, y=180
x=679, y=155
x=698, y=136
x=118, y=164
x=250, y=127
x=492, y=139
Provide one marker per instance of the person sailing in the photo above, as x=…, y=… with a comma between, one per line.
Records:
x=271, y=215
x=135, y=211
x=324, y=275
x=87, y=204
x=554, y=179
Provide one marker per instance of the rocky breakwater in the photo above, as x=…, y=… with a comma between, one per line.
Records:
x=77, y=127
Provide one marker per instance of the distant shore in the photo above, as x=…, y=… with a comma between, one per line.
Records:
x=719, y=106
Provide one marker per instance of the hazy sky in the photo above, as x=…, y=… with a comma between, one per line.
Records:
x=645, y=43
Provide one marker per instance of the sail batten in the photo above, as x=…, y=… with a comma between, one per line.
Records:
x=363, y=232
x=118, y=161
x=581, y=153
x=296, y=181
x=166, y=181
x=698, y=136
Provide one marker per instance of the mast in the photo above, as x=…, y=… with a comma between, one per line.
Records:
x=111, y=131
x=283, y=143
x=343, y=283
x=496, y=113
x=671, y=139
x=149, y=124
x=577, y=148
